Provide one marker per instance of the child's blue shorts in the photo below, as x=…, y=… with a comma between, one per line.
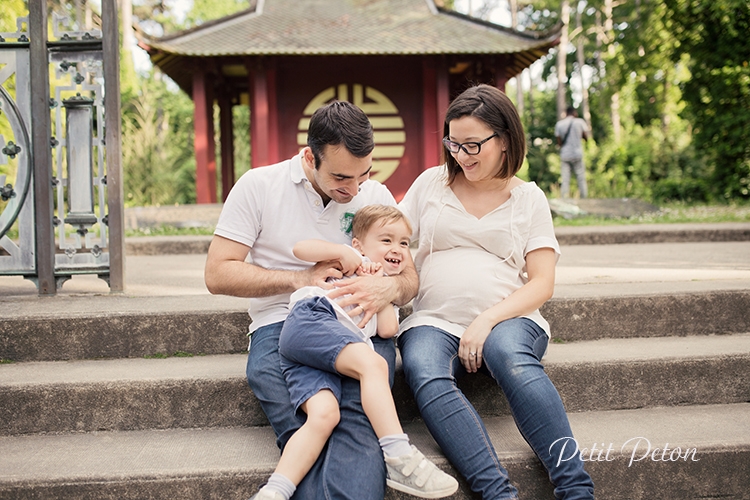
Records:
x=310, y=341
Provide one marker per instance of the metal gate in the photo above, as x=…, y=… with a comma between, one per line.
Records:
x=61, y=201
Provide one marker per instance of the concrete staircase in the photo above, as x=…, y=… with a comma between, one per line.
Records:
x=651, y=357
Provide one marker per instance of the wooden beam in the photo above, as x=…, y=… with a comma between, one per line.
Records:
x=432, y=130
x=443, y=92
x=501, y=71
x=226, y=133
x=41, y=155
x=274, y=145
x=115, y=188
x=210, y=93
x=203, y=129
x=260, y=125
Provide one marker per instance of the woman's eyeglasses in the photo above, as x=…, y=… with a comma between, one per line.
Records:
x=470, y=148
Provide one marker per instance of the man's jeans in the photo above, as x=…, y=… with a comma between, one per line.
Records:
x=579, y=170
x=511, y=355
x=351, y=465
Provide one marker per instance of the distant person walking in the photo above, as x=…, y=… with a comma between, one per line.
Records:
x=571, y=131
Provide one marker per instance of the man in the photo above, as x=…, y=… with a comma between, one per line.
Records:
x=313, y=195
x=570, y=131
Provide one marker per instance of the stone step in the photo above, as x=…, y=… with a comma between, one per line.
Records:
x=664, y=452
x=211, y=391
x=112, y=326
x=566, y=235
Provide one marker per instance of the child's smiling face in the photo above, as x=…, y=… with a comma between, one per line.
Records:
x=387, y=244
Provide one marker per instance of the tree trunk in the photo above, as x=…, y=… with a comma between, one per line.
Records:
x=519, y=77
x=562, y=53
x=126, y=11
x=615, y=100
x=531, y=98
x=581, y=62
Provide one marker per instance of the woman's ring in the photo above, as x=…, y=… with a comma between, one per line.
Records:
x=472, y=354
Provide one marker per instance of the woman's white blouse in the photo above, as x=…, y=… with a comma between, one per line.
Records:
x=467, y=265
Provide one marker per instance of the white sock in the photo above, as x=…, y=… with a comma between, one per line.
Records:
x=282, y=485
x=395, y=445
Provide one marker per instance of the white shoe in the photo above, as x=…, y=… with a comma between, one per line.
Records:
x=416, y=475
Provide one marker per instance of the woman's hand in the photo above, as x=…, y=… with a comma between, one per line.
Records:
x=472, y=342
x=540, y=265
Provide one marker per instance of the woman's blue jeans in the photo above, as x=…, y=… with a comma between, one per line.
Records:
x=511, y=355
x=351, y=465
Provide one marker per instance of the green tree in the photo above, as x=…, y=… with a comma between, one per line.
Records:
x=714, y=36
x=207, y=10
x=157, y=149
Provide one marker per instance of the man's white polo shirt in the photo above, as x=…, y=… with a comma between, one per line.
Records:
x=271, y=208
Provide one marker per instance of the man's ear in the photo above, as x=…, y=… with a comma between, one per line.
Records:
x=308, y=156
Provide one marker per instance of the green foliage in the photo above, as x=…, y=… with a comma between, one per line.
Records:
x=714, y=35
x=157, y=147
x=166, y=230
x=544, y=165
x=241, y=124
x=206, y=10
x=12, y=10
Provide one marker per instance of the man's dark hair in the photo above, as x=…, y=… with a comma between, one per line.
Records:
x=340, y=123
x=570, y=111
x=495, y=109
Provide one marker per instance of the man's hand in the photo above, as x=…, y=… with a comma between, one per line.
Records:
x=318, y=274
x=370, y=293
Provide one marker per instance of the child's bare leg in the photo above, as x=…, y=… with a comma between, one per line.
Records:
x=360, y=362
x=304, y=447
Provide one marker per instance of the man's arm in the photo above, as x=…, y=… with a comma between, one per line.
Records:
x=227, y=273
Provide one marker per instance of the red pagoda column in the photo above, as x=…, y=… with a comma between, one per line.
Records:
x=227, y=143
x=205, y=149
x=264, y=121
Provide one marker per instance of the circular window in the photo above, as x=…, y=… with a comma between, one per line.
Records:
x=388, y=127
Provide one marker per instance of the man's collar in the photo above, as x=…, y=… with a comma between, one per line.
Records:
x=297, y=170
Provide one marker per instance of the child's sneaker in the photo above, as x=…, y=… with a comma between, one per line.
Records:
x=266, y=494
x=416, y=475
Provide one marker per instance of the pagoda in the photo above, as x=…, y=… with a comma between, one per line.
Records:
x=401, y=61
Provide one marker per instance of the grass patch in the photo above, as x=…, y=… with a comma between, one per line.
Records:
x=6, y=361
x=176, y=354
x=170, y=231
x=675, y=213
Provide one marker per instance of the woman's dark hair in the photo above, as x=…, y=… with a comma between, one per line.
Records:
x=337, y=123
x=490, y=105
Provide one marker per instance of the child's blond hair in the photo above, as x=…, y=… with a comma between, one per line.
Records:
x=366, y=217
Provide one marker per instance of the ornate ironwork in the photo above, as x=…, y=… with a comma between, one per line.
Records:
x=78, y=225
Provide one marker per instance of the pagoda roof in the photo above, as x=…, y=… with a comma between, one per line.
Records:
x=350, y=27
